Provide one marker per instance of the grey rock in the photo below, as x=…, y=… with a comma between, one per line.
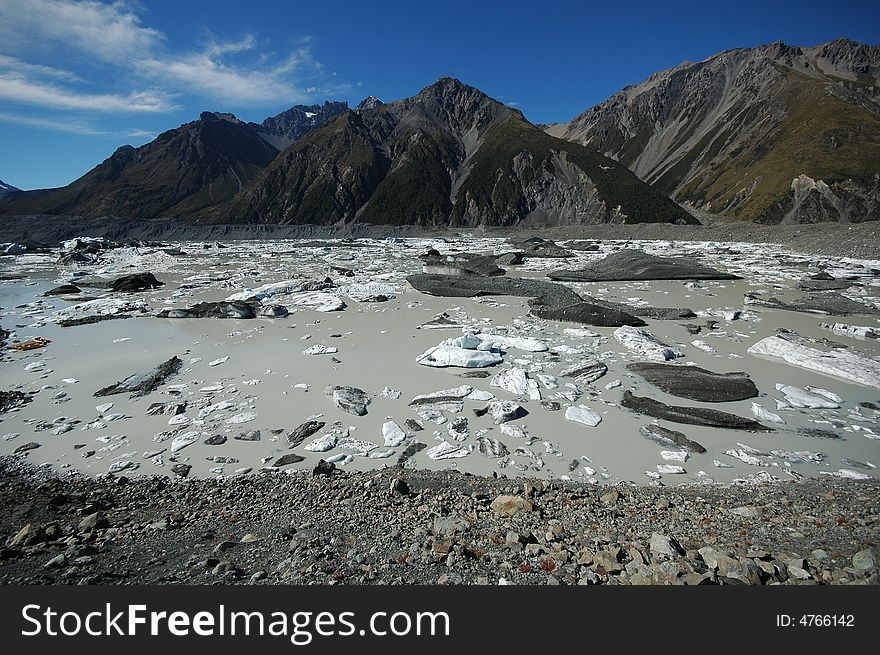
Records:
x=349, y=399
x=696, y=383
x=667, y=437
x=303, y=432
x=689, y=415
x=632, y=265
x=140, y=384
x=661, y=544
x=289, y=458
x=323, y=468
x=221, y=309
x=181, y=469
x=865, y=560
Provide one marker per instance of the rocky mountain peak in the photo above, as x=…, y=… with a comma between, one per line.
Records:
x=370, y=102
x=292, y=124
x=727, y=134
x=6, y=188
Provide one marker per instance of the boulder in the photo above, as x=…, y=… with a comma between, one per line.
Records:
x=632, y=265
x=690, y=415
x=697, y=383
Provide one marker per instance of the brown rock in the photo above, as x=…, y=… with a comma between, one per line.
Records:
x=510, y=505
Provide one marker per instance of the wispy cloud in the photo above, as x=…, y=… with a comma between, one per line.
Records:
x=66, y=124
x=207, y=72
x=237, y=72
x=15, y=87
x=23, y=67
x=112, y=32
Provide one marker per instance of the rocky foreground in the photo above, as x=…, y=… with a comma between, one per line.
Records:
x=419, y=527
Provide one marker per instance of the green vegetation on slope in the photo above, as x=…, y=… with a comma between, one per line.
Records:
x=820, y=136
x=491, y=177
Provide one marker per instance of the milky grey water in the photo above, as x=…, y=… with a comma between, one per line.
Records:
x=268, y=376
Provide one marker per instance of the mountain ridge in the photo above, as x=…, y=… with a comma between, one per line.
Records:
x=777, y=133
x=449, y=155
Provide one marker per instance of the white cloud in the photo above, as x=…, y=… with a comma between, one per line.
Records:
x=110, y=38
x=17, y=65
x=18, y=88
x=112, y=32
x=67, y=124
x=207, y=73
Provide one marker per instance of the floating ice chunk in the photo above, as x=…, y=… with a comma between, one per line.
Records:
x=745, y=457
x=216, y=407
x=549, y=381
x=646, y=344
x=799, y=398
x=582, y=333
x=846, y=473
x=320, y=349
x=511, y=430
x=840, y=364
x=219, y=361
x=244, y=417
x=670, y=469
x=393, y=434
x=727, y=313
x=369, y=291
x=322, y=444
x=833, y=397
x=855, y=331
x=442, y=356
x=317, y=301
x=480, y=395
x=181, y=441
x=583, y=415
x=357, y=445
x=122, y=465
x=446, y=450
x=766, y=415
x=267, y=291
x=799, y=456
x=516, y=381
x=520, y=343
x=702, y=345
x=103, y=407
x=674, y=455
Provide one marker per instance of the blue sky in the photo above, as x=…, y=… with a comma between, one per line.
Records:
x=80, y=78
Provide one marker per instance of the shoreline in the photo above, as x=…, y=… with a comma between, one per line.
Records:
x=422, y=527
x=855, y=240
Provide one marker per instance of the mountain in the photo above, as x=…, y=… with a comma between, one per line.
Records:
x=370, y=102
x=197, y=165
x=288, y=126
x=450, y=155
x=6, y=189
x=772, y=134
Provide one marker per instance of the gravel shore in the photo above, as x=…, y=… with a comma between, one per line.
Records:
x=857, y=240
x=420, y=527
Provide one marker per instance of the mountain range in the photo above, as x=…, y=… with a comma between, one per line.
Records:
x=6, y=188
x=771, y=134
